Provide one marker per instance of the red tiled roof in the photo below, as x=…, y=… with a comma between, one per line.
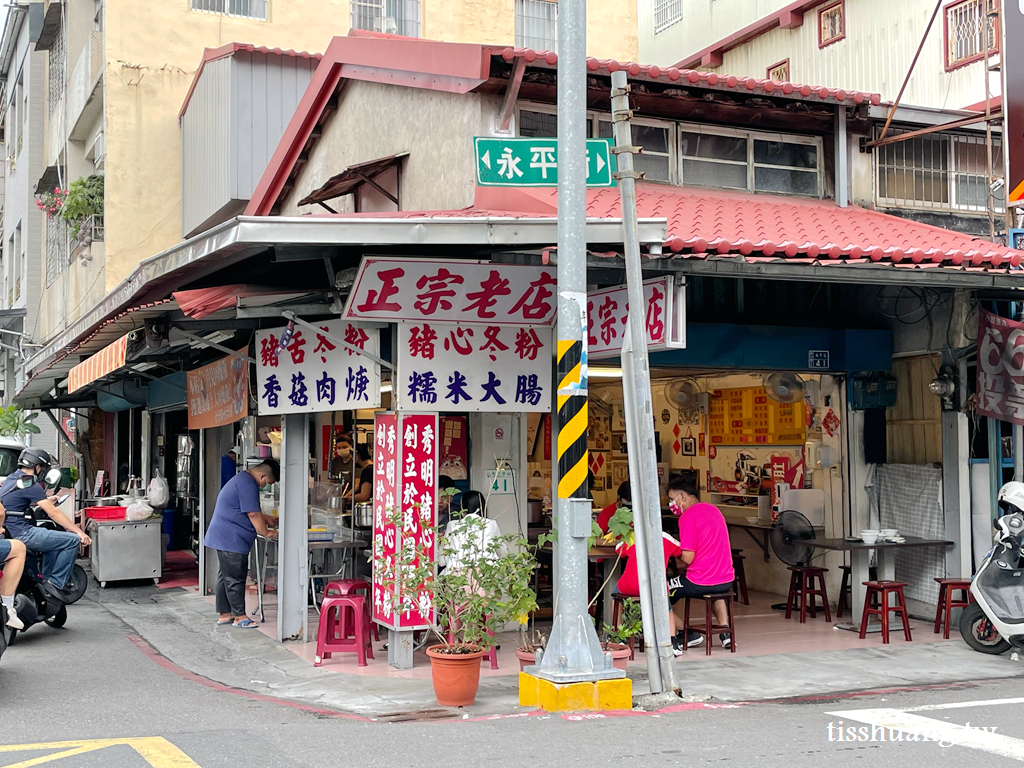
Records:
x=460, y=68
x=712, y=222
x=212, y=54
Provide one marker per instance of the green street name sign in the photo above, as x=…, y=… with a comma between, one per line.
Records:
x=534, y=162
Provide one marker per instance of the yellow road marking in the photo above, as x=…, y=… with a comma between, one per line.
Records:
x=156, y=751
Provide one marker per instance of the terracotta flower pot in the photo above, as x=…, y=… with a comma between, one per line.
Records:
x=526, y=658
x=620, y=654
x=456, y=676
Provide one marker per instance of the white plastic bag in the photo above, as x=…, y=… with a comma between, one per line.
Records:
x=138, y=510
x=159, y=492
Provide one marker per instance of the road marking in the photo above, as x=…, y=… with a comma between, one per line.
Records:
x=964, y=705
x=156, y=751
x=949, y=734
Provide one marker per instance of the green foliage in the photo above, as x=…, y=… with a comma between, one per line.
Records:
x=552, y=536
x=14, y=422
x=630, y=623
x=73, y=472
x=84, y=199
x=620, y=526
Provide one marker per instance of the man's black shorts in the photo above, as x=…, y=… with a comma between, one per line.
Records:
x=681, y=587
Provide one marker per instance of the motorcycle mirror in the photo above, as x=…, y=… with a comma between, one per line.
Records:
x=52, y=478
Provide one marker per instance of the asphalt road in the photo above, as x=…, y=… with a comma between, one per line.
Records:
x=91, y=694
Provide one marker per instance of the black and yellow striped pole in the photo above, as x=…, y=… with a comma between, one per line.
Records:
x=573, y=457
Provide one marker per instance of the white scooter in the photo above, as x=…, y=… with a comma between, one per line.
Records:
x=994, y=623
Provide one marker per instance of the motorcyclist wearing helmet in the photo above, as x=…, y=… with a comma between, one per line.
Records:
x=59, y=549
x=1011, y=498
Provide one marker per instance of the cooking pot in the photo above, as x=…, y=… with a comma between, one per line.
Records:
x=534, y=511
x=364, y=515
x=336, y=502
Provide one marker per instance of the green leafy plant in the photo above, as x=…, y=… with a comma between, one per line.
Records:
x=630, y=623
x=84, y=199
x=14, y=422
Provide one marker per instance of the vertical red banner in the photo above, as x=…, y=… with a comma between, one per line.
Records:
x=405, y=481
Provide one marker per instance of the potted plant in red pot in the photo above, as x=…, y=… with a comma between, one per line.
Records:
x=630, y=626
x=486, y=584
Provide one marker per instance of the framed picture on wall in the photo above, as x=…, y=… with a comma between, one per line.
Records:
x=618, y=445
x=688, y=446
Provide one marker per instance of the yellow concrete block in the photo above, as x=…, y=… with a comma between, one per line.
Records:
x=575, y=697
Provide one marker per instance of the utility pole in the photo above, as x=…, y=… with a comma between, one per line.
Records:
x=573, y=652
x=636, y=389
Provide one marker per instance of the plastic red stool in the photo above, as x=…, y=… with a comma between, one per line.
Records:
x=882, y=589
x=944, y=610
x=329, y=638
x=353, y=587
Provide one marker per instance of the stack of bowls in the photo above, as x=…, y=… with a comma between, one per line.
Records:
x=869, y=536
x=888, y=533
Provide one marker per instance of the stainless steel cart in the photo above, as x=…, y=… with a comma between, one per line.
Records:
x=123, y=550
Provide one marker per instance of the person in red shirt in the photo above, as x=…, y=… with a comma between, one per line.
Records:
x=628, y=583
x=623, y=500
x=706, y=551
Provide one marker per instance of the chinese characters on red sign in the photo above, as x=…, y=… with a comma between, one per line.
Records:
x=1000, y=368
x=404, y=509
x=307, y=372
x=663, y=317
x=449, y=367
x=453, y=291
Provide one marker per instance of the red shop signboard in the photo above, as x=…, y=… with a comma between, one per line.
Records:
x=404, y=515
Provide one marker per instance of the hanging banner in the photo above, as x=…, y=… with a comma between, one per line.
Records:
x=1000, y=368
x=664, y=317
x=404, y=507
x=400, y=289
x=312, y=373
x=218, y=393
x=473, y=368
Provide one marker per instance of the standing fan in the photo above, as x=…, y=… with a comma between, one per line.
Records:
x=783, y=387
x=685, y=395
x=790, y=534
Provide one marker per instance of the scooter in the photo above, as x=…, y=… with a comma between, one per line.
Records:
x=994, y=623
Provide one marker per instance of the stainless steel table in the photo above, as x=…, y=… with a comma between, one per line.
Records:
x=312, y=547
x=860, y=557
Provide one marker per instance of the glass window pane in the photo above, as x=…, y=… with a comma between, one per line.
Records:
x=713, y=146
x=654, y=167
x=783, y=153
x=538, y=124
x=786, y=181
x=701, y=173
x=651, y=138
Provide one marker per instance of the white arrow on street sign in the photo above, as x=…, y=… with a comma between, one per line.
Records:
x=600, y=163
x=486, y=158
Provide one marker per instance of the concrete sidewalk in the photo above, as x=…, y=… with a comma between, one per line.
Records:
x=177, y=624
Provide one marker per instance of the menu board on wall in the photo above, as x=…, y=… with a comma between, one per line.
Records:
x=747, y=416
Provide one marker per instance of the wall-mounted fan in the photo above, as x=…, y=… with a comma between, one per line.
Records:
x=783, y=387
x=686, y=395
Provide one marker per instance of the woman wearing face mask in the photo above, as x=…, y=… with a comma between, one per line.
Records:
x=341, y=464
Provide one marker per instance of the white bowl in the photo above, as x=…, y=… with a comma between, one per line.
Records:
x=888, y=533
x=871, y=530
x=869, y=538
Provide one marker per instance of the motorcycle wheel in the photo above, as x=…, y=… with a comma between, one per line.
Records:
x=76, y=585
x=58, y=619
x=978, y=632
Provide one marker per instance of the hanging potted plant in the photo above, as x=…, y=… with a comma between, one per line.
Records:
x=84, y=198
x=486, y=586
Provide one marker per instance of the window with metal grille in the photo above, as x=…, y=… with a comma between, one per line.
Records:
x=667, y=13
x=938, y=171
x=964, y=24
x=831, y=24
x=538, y=124
x=246, y=9
x=393, y=17
x=779, y=72
x=537, y=25
x=56, y=248
x=56, y=70
x=656, y=160
x=754, y=162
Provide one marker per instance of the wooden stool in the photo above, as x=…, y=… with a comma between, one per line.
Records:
x=944, y=610
x=740, y=585
x=802, y=584
x=709, y=628
x=846, y=588
x=882, y=590
x=618, y=606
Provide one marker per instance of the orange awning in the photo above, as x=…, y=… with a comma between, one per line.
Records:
x=108, y=359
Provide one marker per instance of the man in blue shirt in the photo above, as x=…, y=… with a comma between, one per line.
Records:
x=59, y=549
x=228, y=467
x=236, y=521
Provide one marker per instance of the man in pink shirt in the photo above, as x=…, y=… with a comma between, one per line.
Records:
x=706, y=553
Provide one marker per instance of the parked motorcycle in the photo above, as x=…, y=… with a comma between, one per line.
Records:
x=994, y=623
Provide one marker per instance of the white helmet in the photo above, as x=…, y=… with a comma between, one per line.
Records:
x=1011, y=498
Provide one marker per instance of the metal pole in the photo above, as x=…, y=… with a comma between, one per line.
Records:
x=643, y=462
x=573, y=653
x=292, y=553
x=906, y=80
x=990, y=203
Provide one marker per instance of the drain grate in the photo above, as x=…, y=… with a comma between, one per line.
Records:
x=417, y=715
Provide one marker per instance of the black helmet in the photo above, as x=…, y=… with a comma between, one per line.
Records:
x=35, y=457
